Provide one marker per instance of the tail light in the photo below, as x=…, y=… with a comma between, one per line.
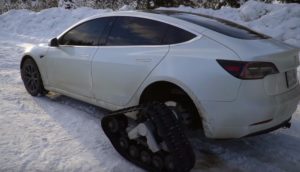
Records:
x=248, y=70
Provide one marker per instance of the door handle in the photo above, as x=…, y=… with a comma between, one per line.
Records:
x=84, y=56
x=143, y=60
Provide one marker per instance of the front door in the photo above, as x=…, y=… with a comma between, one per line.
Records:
x=69, y=64
x=69, y=69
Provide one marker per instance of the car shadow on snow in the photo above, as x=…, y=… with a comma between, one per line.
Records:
x=275, y=151
x=81, y=122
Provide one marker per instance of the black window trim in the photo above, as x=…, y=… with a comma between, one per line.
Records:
x=170, y=12
x=142, y=17
x=197, y=35
x=78, y=24
x=110, y=25
x=107, y=30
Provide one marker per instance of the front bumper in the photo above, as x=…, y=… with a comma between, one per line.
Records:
x=252, y=112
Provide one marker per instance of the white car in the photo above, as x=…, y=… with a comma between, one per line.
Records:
x=213, y=74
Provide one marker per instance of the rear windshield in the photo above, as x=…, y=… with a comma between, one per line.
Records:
x=219, y=25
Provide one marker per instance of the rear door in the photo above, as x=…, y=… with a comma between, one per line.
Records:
x=133, y=48
x=69, y=64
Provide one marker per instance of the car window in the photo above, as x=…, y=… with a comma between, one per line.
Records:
x=136, y=31
x=175, y=35
x=216, y=24
x=86, y=34
x=222, y=26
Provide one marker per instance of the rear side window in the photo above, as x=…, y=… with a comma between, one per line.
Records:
x=219, y=25
x=136, y=31
x=86, y=34
x=177, y=35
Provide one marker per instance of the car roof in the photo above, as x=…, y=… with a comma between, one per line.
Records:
x=143, y=14
x=192, y=22
x=216, y=24
x=151, y=14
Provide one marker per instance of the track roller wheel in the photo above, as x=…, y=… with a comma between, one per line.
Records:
x=113, y=125
x=116, y=124
x=145, y=157
x=134, y=151
x=124, y=142
x=169, y=163
x=158, y=162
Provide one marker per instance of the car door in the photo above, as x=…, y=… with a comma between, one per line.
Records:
x=133, y=48
x=69, y=64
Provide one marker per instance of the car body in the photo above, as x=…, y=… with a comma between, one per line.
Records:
x=197, y=53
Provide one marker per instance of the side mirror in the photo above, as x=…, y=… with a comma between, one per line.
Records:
x=54, y=42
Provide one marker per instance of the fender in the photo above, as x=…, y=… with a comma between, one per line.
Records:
x=38, y=54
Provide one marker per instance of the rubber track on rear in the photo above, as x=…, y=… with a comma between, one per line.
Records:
x=169, y=130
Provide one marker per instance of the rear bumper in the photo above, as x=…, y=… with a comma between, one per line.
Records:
x=283, y=124
x=251, y=113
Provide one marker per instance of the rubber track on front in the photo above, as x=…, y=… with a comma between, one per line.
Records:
x=168, y=128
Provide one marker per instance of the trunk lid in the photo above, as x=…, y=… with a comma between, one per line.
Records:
x=284, y=56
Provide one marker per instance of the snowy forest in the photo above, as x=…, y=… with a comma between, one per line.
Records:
x=37, y=5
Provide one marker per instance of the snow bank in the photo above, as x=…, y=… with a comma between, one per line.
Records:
x=254, y=10
x=45, y=24
x=281, y=21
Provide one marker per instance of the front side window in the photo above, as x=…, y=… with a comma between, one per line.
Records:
x=85, y=34
x=136, y=31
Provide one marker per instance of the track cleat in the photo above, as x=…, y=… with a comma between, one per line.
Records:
x=151, y=137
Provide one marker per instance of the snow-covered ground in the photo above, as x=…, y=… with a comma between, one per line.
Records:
x=57, y=133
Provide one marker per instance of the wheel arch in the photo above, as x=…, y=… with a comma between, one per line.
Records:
x=26, y=57
x=158, y=87
x=40, y=89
